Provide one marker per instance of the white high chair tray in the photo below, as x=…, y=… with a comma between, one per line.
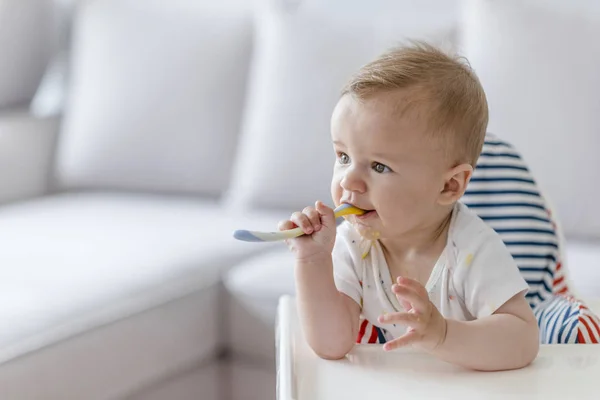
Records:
x=559, y=372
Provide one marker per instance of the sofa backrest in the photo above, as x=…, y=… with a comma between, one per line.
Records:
x=303, y=56
x=156, y=92
x=25, y=48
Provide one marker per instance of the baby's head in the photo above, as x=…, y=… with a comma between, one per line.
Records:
x=407, y=131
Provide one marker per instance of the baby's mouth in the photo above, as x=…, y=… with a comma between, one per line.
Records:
x=362, y=223
x=368, y=214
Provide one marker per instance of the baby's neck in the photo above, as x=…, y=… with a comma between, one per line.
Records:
x=426, y=242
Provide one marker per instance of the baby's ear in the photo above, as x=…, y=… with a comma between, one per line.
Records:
x=455, y=183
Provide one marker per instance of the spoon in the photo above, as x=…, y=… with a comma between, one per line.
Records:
x=255, y=236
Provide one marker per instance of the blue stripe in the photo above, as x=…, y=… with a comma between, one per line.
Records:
x=380, y=335
x=559, y=310
x=539, y=282
x=514, y=217
x=552, y=310
x=539, y=315
x=572, y=329
x=521, y=256
x=511, y=155
x=504, y=192
x=561, y=333
x=501, y=205
x=500, y=166
x=534, y=294
x=497, y=143
x=501, y=179
x=545, y=269
x=574, y=309
x=524, y=230
x=549, y=244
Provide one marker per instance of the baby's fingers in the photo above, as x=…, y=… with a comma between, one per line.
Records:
x=314, y=217
x=412, y=320
x=408, y=295
x=286, y=225
x=404, y=340
x=303, y=222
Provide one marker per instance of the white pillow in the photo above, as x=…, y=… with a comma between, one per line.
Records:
x=303, y=56
x=539, y=62
x=156, y=95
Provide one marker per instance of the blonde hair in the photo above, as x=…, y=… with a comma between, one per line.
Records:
x=455, y=103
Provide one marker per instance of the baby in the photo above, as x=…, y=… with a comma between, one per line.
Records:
x=418, y=267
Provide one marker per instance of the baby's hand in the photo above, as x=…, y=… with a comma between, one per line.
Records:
x=318, y=224
x=426, y=326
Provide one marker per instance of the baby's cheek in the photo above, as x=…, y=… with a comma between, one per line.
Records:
x=336, y=191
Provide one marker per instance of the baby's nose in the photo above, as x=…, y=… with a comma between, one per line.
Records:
x=353, y=182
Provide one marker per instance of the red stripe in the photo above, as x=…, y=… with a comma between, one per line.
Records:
x=562, y=291
x=559, y=281
x=373, y=338
x=580, y=338
x=361, y=332
x=592, y=336
x=558, y=266
x=593, y=321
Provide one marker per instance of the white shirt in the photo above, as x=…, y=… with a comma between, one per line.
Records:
x=473, y=277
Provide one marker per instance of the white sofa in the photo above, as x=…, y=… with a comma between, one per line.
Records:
x=182, y=121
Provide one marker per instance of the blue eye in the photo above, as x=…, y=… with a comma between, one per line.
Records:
x=380, y=168
x=343, y=158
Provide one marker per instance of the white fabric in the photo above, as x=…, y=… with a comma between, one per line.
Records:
x=473, y=277
x=156, y=95
x=72, y=262
x=25, y=48
x=303, y=56
x=538, y=62
x=26, y=152
x=117, y=359
x=255, y=286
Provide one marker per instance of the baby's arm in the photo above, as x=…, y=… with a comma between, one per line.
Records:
x=329, y=318
x=507, y=339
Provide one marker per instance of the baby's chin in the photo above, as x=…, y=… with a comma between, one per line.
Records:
x=366, y=231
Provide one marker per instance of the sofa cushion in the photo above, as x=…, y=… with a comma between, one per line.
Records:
x=538, y=62
x=125, y=356
x=254, y=288
x=156, y=95
x=74, y=262
x=303, y=56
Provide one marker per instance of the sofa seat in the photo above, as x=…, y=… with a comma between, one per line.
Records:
x=79, y=288
x=254, y=287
